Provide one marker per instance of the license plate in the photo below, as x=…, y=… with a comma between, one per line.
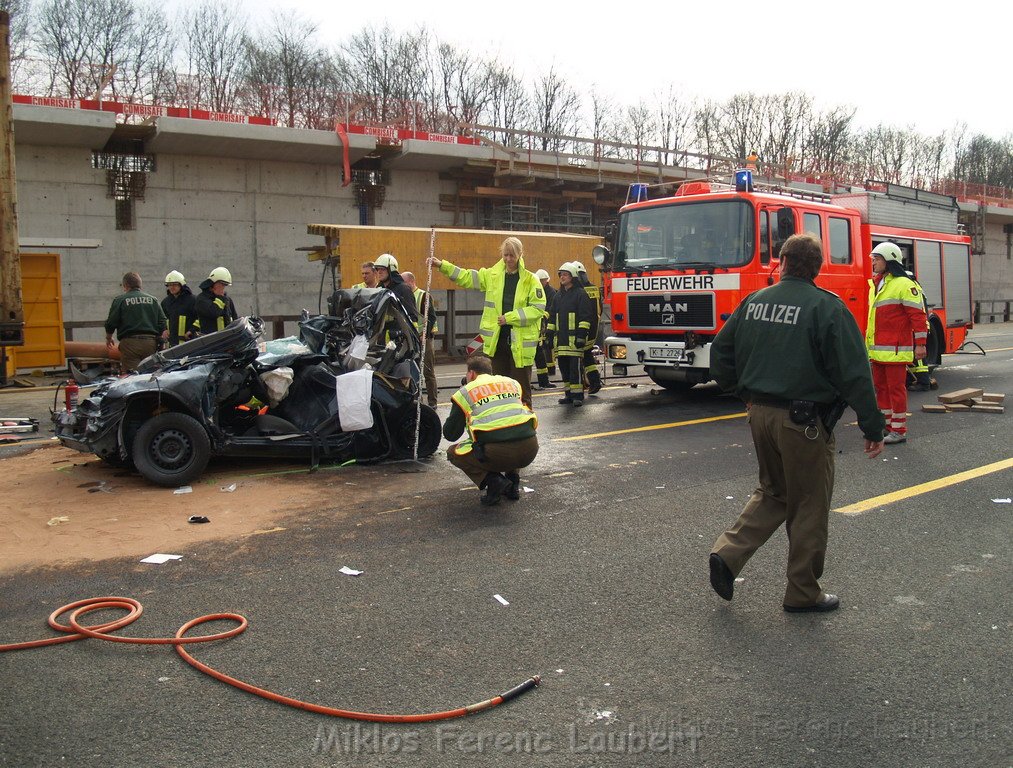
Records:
x=666, y=353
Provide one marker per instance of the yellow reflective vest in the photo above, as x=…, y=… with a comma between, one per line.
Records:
x=524, y=317
x=492, y=402
x=896, y=319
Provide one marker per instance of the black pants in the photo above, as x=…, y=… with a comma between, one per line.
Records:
x=571, y=368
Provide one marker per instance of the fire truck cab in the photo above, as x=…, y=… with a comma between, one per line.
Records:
x=679, y=266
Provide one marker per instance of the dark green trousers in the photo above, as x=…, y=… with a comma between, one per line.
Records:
x=497, y=457
x=796, y=484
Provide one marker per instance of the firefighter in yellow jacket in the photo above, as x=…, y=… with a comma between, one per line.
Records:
x=514, y=308
x=501, y=431
x=896, y=318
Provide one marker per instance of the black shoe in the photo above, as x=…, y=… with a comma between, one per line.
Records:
x=919, y=388
x=722, y=579
x=495, y=484
x=564, y=401
x=578, y=402
x=513, y=492
x=546, y=385
x=826, y=603
x=594, y=387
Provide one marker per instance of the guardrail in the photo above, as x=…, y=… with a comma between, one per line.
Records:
x=992, y=313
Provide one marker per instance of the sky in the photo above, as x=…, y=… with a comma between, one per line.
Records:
x=922, y=65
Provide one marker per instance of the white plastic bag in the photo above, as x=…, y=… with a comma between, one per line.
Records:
x=355, y=357
x=277, y=382
x=354, y=392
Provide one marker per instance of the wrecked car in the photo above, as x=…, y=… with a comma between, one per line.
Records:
x=345, y=389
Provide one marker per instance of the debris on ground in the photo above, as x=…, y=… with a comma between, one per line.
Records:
x=349, y=571
x=158, y=558
x=971, y=399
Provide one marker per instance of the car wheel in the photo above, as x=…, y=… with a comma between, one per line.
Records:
x=171, y=449
x=402, y=431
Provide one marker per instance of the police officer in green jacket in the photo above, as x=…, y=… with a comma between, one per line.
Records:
x=514, y=308
x=501, y=431
x=137, y=320
x=792, y=352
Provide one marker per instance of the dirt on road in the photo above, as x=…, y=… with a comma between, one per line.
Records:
x=61, y=506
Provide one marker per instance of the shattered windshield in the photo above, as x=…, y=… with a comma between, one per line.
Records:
x=706, y=234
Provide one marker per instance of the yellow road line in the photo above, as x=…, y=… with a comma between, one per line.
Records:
x=560, y=390
x=916, y=490
x=651, y=427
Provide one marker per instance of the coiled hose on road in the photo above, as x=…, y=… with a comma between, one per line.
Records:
x=74, y=630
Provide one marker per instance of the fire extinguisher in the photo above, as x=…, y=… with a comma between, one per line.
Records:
x=70, y=395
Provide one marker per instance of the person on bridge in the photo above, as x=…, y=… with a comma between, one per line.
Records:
x=501, y=431
x=794, y=353
x=896, y=316
x=178, y=306
x=137, y=320
x=567, y=332
x=429, y=353
x=214, y=307
x=514, y=308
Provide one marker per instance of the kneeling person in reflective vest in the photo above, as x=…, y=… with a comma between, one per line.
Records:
x=501, y=431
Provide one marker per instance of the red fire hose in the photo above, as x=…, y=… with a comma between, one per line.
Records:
x=74, y=630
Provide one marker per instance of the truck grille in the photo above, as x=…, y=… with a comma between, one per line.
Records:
x=682, y=310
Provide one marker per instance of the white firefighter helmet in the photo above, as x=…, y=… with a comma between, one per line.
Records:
x=569, y=267
x=175, y=277
x=579, y=266
x=888, y=252
x=220, y=275
x=542, y=274
x=385, y=261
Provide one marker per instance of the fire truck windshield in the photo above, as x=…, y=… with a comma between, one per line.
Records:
x=692, y=234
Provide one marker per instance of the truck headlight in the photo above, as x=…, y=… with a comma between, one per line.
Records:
x=617, y=351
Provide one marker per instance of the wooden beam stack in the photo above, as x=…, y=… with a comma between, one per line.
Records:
x=977, y=400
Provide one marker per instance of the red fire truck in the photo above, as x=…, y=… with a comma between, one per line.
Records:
x=677, y=267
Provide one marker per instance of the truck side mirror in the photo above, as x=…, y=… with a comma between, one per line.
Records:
x=602, y=256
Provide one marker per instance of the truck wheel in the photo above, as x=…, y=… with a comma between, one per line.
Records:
x=171, y=449
x=671, y=383
x=402, y=431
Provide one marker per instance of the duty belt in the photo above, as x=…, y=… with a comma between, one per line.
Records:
x=773, y=402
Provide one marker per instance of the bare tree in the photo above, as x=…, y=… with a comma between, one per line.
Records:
x=508, y=102
x=464, y=88
x=555, y=111
x=21, y=30
x=741, y=125
x=604, y=121
x=707, y=125
x=288, y=78
x=145, y=72
x=825, y=145
x=214, y=39
x=86, y=39
x=675, y=120
x=639, y=126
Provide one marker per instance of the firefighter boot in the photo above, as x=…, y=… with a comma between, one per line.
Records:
x=494, y=484
x=514, y=491
x=593, y=382
x=544, y=383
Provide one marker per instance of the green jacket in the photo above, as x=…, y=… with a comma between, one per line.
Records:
x=795, y=341
x=135, y=313
x=524, y=317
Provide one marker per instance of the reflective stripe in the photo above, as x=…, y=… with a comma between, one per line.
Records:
x=492, y=402
x=181, y=326
x=486, y=332
x=533, y=344
x=455, y=273
x=904, y=302
x=491, y=304
x=539, y=307
x=891, y=348
x=474, y=278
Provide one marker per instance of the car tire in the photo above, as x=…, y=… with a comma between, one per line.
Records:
x=402, y=431
x=171, y=449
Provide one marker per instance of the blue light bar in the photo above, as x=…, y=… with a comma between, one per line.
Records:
x=743, y=180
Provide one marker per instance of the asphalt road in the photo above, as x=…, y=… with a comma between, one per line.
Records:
x=604, y=566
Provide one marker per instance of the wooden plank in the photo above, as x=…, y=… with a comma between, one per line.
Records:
x=988, y=409
x=957, y=407
x=929, y=408
x=960, y=395
x=993, y=397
